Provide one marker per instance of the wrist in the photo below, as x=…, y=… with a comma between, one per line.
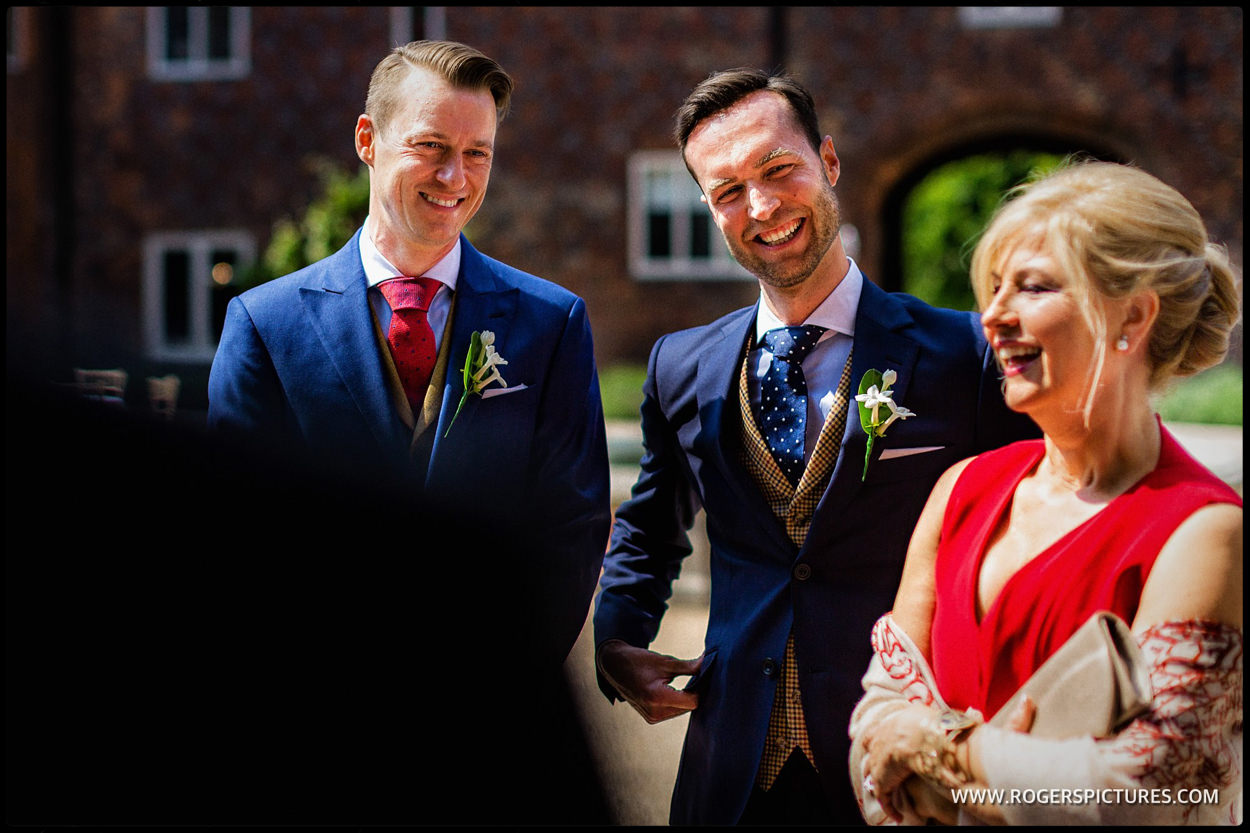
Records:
x=607, y=646
x=942, y=757
x=605, y=658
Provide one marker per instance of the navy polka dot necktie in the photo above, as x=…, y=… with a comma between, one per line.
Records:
x=783, y=396
x=410, y=337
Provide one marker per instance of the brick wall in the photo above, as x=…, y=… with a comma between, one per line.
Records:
x=898, y=88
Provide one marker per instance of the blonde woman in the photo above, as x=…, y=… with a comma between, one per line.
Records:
x=1098, y=286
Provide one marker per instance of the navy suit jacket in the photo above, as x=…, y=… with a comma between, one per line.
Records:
x=853, y=555
x=299, y=358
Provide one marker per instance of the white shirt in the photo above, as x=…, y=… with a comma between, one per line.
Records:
x=378, y=269
x=823, y=366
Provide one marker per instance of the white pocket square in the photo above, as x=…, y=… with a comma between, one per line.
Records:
x=487, y=394
x=907, y=452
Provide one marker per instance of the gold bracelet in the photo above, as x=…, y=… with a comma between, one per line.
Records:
x=936, y=760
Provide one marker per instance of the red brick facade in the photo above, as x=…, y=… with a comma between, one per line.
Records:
x=101, y=155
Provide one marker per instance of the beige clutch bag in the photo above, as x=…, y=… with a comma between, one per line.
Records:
x=1094, y=685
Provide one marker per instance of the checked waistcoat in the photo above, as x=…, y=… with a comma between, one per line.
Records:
x=794, y=506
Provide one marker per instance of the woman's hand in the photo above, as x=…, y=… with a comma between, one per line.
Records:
x=889, y=750
x=909, y=752
x=930, y=802
x=1019, y=720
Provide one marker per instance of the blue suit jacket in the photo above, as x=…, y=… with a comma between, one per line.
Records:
x=299, y=358
x=853, y=553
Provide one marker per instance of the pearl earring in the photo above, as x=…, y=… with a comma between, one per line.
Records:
x=1122, y=343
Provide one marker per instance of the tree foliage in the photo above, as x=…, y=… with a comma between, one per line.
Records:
x=946, y=213
x=329, y=221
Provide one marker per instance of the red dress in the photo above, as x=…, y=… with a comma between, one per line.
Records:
x=1102, y=564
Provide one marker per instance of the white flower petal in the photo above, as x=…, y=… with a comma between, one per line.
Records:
x=897, y=412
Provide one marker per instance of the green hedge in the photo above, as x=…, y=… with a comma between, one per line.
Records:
x=621, y=387
x=1213, y=397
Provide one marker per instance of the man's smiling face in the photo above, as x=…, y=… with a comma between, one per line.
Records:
x=429, y=165
x=770, y=192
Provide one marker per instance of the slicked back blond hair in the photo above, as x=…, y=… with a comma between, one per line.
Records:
x=460, y=65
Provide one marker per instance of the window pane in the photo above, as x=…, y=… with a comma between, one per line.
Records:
x=700, y=234
x=220, y=300
x=672, y=235
x=176, y=33
x=659, y=234
x=218, y=32
x=659, y=189
x=177, y=276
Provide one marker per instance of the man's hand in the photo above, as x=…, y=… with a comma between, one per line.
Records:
x=642, y=678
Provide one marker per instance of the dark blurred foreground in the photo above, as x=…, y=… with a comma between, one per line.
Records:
x=199, y=634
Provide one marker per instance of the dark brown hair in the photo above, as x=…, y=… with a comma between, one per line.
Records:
x=721, y=90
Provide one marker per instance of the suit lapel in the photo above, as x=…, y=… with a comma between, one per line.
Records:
x=717, y=391
x=879, y=345
x=336, y=304
x=824, y=456
x=483, y=302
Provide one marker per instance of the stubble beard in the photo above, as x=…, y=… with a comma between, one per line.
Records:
x=825, y=222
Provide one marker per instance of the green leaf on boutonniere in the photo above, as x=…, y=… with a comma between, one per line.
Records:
x=472, y=360
x=872, y=379
x=874, y=397
x=481, y=367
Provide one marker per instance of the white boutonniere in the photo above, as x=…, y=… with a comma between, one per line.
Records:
x=874, y=395
x=481, y=368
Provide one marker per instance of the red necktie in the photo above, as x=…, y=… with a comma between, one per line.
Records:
x=410, y=338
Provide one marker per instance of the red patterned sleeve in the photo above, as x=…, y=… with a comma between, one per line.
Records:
x=898, y=675
x=1179, y=763
x=1191, y=737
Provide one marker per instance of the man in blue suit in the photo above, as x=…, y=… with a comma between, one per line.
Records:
x=361, y=358
x=808, y=524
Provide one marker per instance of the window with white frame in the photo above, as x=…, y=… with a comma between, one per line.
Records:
x=188, y=279
x=1010, y=17
x=671, y=233
x=15, y=46
x=409, y=23
x=199, y=43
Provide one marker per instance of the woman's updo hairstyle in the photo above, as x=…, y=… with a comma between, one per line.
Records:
x=1123, y=230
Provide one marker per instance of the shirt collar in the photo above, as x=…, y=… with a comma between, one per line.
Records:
x=378, y=268
x=836, y=313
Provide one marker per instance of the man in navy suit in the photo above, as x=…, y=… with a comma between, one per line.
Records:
x=514, y=449
x=807, y=545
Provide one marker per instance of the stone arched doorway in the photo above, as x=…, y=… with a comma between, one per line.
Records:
x=893, y=269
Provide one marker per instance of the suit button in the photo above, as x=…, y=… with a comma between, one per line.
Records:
x=770, y=667
x=803, y=572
